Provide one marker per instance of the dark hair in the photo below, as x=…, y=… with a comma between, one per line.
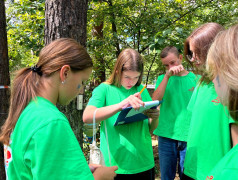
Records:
x=202, y=38
x=128, y=60
x=28, y=81
x=233, y=104
x=169, y=49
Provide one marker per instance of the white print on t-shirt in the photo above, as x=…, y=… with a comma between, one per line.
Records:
x=7, y=155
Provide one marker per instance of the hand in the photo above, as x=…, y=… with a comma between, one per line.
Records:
x=152, y=113
x=93, y=167
x=175, y=70
x=133, y=100
x=105, y=173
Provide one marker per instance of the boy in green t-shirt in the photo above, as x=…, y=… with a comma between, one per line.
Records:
x=175, y=88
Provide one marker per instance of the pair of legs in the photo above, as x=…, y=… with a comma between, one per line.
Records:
x=146, y=175
x=170, y=151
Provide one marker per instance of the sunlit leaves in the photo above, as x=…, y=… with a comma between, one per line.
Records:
x=25, y=26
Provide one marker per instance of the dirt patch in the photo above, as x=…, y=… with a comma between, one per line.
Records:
x=156, y=156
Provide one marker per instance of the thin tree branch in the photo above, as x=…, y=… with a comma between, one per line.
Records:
x=147, y=78
x=182, y=16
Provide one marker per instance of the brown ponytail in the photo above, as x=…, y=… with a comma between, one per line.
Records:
x=27, y=82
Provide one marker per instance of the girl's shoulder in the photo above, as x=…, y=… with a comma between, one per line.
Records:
x=104, y=87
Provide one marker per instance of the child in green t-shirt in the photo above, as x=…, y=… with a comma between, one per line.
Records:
x=222, y=67
x=209, y=134
x=127, y=146
x=176, y=88
x=39, y=143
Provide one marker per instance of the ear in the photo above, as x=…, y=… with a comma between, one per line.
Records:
x=181, y=58
x=64, y=71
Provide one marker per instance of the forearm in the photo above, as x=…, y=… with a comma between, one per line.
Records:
x=159, y=92
x=234, y=134
x=102, y=113
x=153, y=123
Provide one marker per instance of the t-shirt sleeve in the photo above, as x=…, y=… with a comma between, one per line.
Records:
x=193, y=99
x=232, y=121
x=98, y=96
x=159, y=80
x=54, y=153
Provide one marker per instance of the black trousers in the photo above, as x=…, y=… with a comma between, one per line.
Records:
x=185, y=177
x=146, y=175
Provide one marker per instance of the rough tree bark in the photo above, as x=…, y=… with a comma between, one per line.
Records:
x=100, y=70
x=4, y=79
x=68, y=18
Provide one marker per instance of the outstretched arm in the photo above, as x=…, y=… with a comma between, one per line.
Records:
x=108, y=111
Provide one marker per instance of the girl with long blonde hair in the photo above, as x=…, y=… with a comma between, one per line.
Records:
x=222, y=66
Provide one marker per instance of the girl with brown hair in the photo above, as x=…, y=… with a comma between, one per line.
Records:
x=39, y=142
x=126, y=146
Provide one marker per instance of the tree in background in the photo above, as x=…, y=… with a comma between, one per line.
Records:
x=68, y=18
x=25, y=29
x=145, y=25
x=4, y=80
x=148, y=26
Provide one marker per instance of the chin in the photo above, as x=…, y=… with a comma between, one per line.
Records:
x=129, y=87
x=64, y=102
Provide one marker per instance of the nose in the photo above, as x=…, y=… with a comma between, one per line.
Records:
x=131, y=81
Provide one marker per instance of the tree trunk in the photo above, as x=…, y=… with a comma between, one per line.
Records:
x=68, y=18
x=4, y=80
x=99, y=70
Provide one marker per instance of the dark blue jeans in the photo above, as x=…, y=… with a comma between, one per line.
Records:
x=170, y=152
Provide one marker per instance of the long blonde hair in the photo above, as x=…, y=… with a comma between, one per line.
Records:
x=27, y=82
x=128, y=60
x=223, y=60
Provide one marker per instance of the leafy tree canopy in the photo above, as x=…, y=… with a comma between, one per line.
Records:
x=148, y=25
x=25, y=29
x=145, y=25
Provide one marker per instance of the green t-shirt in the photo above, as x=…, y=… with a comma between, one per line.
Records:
x=130, y=144
x=174, y=119
x=43, y=146
x=209, y=135
x=227, y=168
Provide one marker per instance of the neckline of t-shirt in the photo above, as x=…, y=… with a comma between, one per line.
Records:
x=44, y=100
x=127, y=90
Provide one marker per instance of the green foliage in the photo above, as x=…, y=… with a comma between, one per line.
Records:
x=25, y=28
x=145, y=25
x=148, y=26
